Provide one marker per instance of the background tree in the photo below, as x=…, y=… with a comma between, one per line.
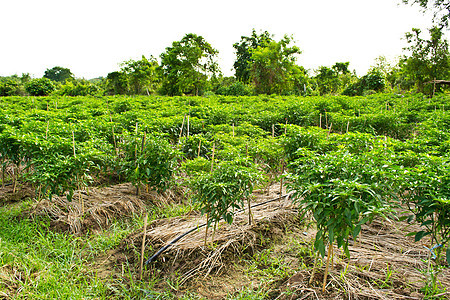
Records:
x=187, y=65
x=372, y=82
x=142, y=75
x=333, y=80
x=58, y=74
x=272, y=65
x=117, y=83
x=441, y=9
x=244, y=50
x=40, y=87
x=427, y=59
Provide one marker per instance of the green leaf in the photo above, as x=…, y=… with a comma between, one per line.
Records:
x=356, y=231
x=420, y=235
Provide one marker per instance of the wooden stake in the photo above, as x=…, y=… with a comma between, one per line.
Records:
x=212, y=159
x=348, y=124
x=250, y=217
x=143, y=142
x=199, y=147
x=181, y=130
x=330, y=250
x=135, y=147
x=73, y=142
x=141, y=270
x=187, y=126
x=281, y=178
x=320, y=121
x=273, y=130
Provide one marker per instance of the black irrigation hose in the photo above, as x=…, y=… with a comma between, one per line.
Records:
x=155, y=256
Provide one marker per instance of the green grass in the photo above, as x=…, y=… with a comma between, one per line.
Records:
x=42, y=264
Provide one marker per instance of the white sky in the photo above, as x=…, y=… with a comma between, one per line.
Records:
x=91, y=37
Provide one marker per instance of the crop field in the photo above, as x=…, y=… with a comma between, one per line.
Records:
x=264, y=197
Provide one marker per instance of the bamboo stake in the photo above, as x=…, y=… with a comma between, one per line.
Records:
x=212, y=158
x=73, y=142
x=281, y=178
x=143, y=247
x=143, y=142
x=207, y=214
x=273, y=130
x=181, y=130
x=135, y=147
x=330, y=250
x=348, y=124
x=199, y=147
x=187, y=126
x=320, y=121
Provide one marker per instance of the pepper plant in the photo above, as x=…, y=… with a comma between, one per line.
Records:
x=225, y=188
x=427, y=195
x=151, y=160
x=342, y=191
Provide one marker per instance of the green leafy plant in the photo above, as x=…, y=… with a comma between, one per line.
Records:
x=428, y=197
x=225, y=188
x=342, y=191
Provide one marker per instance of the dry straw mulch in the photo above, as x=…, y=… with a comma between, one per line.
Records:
x=95, y=208
x=384, y=264
x=190, y=256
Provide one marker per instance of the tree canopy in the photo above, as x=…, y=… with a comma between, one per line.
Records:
x=426, y=59
x=272, y=66
x=244, y=50
x=441, y=9
x=58, y=74
x=187, y=65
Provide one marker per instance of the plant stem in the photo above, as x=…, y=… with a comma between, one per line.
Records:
x=330, y=250
x=311, y=279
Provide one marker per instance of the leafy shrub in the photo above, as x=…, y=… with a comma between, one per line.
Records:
x=40, y=87
x=227, y=186
x=370, y=83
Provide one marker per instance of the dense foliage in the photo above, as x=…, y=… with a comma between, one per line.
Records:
x=348, y=159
